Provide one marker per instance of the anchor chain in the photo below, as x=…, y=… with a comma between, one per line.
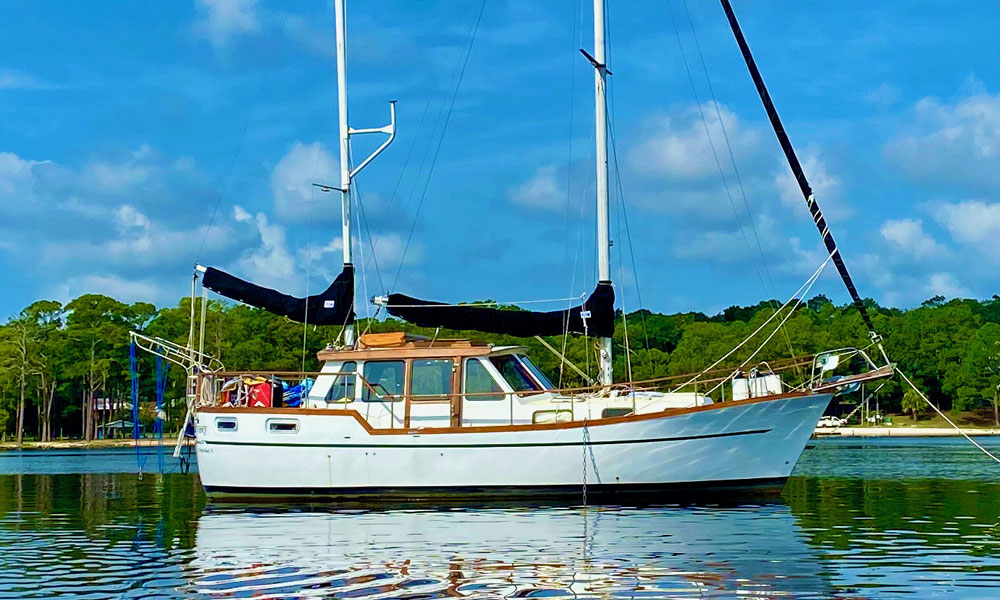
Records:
x=586, y=446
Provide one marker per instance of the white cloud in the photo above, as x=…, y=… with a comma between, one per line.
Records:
x=883, y=96
x=825, y=186
x=118, y=176
x=120, y=288
x=671, y=168
x=678, y=148
x=945, y=284
x=13, y=79
x=390, y=248
x=128, y=217
x=903, y=282
x=115, y=178
x=124, y=224
x=738, y=247
x=224, y=19
x=292, y=179
x=951, y=143
x=908, y=235
x=543, y=191
x=271, y=263
x=17, y=178
x=974, y=222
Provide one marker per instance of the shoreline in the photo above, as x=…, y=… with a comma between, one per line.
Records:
x=903, y=432
x=83, y=444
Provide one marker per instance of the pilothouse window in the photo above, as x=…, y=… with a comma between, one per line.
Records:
x=514, y=373
x=539, y=376
x=431, y=378
x=342, y=389
x=479, y=383
x=387, y=379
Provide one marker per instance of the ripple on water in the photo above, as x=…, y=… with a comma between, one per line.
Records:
x=113, y=536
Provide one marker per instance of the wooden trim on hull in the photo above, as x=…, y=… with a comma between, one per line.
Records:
x=658, y=492
x=342, y=412
x=682, y=438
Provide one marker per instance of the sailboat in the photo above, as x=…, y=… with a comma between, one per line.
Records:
x=397, y=416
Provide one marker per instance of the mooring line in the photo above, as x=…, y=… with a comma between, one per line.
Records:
x=943, y=416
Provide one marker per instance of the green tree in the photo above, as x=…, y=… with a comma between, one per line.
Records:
x=45, y=319
x=981, y=371
x=97, y=336
x=913, y=403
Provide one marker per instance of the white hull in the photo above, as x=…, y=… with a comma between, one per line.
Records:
x=755, y=442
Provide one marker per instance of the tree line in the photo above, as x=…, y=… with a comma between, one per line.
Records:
x=56, y=359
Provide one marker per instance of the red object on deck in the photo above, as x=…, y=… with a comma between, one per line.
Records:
x=260, y=395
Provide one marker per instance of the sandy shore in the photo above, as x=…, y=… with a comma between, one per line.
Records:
x=68, y=444
x=901, y=431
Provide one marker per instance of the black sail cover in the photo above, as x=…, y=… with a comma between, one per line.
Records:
x=335, y=306
x=598, y=308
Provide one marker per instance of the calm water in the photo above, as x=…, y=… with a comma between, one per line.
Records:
x=861, y=519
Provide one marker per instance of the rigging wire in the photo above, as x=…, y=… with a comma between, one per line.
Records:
x=356, y=192
x=309, y=252
x=780, y=326
x=621, y=273
x=802, y=290
x=394, y=196
x=736, y=170
x=623, y=217
x=718, y=162
x=229, y=170
x=361, y=250
x=490, y=302
x=309, y=262
x=620, y=197
x=944, y=416
x=577, y=17
x=444, y=128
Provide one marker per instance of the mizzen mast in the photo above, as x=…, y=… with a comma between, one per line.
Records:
x=345, y=132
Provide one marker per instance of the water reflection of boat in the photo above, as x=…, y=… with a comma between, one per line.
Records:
x=490, y=553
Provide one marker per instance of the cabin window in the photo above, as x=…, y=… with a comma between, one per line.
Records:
x=283, y=425
x=615, y=412
x=226, y=423
x=551, y=416
x=539, y=376
x=479, y=381
x=344, y=384
x=431, y=379
x=386, y=377
x=514, y=373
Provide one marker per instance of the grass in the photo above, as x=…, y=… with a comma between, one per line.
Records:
x=979, y=418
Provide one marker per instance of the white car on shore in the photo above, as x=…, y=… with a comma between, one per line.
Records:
x=831, y=422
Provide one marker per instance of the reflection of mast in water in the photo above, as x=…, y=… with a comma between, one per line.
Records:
x=490, y=553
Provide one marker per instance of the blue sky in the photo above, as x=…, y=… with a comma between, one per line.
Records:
x=124, y=127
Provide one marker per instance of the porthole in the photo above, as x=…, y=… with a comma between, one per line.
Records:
x=283, y=425
x=226, y=424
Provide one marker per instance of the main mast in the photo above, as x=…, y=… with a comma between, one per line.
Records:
x=601, y=137
x=345, y=166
